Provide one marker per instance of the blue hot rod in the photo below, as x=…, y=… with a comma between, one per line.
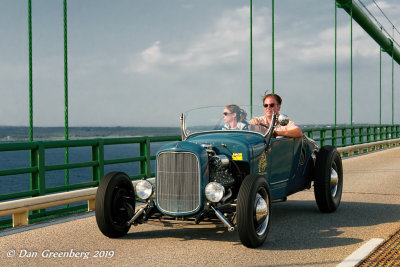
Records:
x=231, y=176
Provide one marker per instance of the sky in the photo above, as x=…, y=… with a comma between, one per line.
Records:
x=143, y=63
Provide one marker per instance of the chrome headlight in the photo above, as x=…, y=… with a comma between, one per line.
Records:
x=215, y=192
x=144, y=189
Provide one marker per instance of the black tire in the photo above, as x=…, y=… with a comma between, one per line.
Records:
x=252, y=230
x=115, y=204
x=328, y=184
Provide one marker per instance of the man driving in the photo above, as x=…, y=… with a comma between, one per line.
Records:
x=272, y=104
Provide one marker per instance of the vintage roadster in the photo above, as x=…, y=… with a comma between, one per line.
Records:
x=231, y=176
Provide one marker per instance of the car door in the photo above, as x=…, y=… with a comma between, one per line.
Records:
x=281, y=158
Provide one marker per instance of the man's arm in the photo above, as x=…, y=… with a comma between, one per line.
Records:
x=295, y=133
x=290, y=130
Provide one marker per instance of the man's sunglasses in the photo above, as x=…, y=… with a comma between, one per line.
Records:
x=226, y=113
x=271, y=105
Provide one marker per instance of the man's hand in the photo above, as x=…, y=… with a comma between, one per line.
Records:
x=254, y=121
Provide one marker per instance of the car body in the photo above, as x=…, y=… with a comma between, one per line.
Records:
x=228, y=175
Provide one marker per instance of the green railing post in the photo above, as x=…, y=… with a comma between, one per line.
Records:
x=368, y=134
x=38, y=179
x=334, y=136
x=98, y=156
x=310, y=134
x=34, y=177
x=387, y=128
x=41, y=169
x=344, y=137
x=360, y=135
x=353, y=136
x=145, y=152
x=322, y=136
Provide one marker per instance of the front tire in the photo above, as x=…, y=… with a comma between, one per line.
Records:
x=115, y=204
x=328, y=184
x=253, y=211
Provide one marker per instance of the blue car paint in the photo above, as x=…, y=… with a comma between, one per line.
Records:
x=284, y=170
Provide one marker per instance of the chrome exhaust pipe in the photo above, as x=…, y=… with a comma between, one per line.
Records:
x=223, y=219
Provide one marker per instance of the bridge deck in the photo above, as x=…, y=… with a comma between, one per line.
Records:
x=299, y=235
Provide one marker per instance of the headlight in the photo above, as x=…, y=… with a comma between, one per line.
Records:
x=144, y=189
x=214, y=192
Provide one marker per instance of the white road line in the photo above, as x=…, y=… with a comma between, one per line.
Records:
x=43, y=224
x=361, y=253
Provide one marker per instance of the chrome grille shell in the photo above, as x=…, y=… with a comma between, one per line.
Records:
x=178, y=183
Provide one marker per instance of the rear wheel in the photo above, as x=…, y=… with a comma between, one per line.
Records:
x=328, y=183
x=253, y=211
x=115, y=204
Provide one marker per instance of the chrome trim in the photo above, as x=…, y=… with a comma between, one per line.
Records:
x=280, y=182
x=223, y=219
x=183, y=128
x=220, y=131
x=198, y=187
x=262, y=214
x=334, y=182
x=283, y=119
x=134, y=218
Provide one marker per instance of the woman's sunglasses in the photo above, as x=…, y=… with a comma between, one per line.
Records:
x=226, y=113
x=271, y=105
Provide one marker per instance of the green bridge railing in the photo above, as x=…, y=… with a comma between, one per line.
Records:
x=352, y=135
x=339, y=136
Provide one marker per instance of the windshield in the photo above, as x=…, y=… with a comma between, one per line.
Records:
x=222, y=118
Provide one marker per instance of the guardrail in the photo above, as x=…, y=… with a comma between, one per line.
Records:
x=38, y=167
x=359, y=134
x=19, y=209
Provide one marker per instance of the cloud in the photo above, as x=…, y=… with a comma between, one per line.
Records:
x=225, y=42
x=149, y=58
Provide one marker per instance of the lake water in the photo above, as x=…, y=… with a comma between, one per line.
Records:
x=20, y=159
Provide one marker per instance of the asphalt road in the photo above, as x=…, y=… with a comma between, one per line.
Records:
x=299, y=235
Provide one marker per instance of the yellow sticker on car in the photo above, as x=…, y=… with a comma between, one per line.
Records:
x=237, y=156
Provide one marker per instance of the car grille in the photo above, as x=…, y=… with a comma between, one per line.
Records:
x=178, y=182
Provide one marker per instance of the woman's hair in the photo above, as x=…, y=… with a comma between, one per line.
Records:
x=240, y=113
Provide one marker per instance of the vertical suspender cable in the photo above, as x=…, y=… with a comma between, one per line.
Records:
x=32, y=159
x=393, y=79
x=335, y=63
x=66, y=89
x=380, y=84
x=30, y=71
x=351, y=68
x=251, y=58
x=273, y=46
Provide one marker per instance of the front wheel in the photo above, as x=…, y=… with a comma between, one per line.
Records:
x=115, y=204
x=328, y=184
x=253, y=211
